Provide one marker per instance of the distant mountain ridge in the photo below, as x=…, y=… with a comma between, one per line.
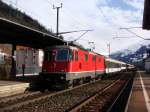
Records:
x=133, y=55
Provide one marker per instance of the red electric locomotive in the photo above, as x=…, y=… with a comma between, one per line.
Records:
x=70, y=65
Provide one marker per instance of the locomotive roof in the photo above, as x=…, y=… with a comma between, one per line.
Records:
x=89, y=51
x=60, y=46
x=73, y=47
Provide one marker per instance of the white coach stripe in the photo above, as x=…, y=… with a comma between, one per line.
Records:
x=145, y=94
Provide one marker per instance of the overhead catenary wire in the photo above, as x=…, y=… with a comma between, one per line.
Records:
x=70, y=15
x=118, y=26
x=124, y=37
x=131, y=28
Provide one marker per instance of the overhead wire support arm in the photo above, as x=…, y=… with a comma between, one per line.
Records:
x=74, y=31
x=134, y=33
x=82, y=35
x=108, y=49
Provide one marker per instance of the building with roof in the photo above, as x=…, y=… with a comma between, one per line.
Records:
x=146, y=15
x=147, y=64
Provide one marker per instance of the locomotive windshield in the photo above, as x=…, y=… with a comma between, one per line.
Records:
x=62, y=55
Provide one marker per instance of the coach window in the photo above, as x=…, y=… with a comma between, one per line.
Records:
x=76, y=56
x=85, y=57
x=93, y=58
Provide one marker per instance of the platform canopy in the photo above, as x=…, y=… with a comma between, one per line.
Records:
x=146, y=15
x=14, y=33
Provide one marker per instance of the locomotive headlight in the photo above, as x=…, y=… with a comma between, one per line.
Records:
x=44, y=70
x=62, y=77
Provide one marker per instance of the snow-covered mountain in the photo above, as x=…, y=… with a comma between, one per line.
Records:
x=134, y=54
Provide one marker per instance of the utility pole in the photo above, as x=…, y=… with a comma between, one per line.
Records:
x=57, y=27
x=108, y=50
x=16, y=3
x=108, y=57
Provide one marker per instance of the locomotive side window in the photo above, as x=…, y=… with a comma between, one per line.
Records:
x=62, y=55
x=76, y=56
x=71, y=55
x=85, y=57
x=48, y=56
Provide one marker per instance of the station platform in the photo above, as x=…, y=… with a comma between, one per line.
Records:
x=139, y=97
x=8, y=88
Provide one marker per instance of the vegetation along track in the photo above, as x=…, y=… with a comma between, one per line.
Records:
x=64, y=100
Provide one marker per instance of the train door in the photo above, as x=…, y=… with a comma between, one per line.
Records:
x=76, y=62
x=94, y=64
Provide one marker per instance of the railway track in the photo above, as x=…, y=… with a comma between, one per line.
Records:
x=66, y=100
x=15, y=100
x=112, y=98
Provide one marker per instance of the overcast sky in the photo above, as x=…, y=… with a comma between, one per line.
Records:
x=105, y=17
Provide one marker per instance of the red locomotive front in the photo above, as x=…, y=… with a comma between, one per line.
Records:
x=56, y=60
x=71, y=64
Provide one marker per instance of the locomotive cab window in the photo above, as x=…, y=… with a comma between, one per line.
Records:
x=62, y=55
x=47, y=55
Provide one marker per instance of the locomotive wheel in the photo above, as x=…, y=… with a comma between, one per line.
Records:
x=70, y=84
x=81, y=81
x=87, y=79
